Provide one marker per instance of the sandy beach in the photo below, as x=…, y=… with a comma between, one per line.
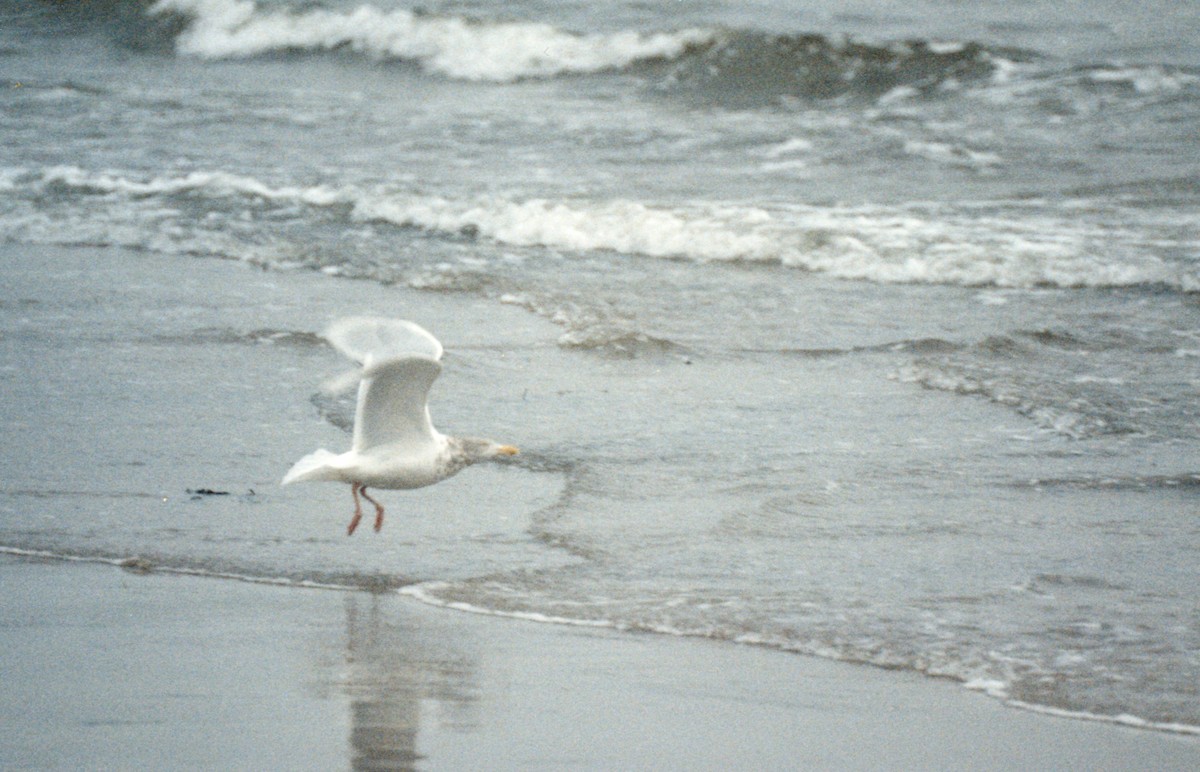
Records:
x=105, y=668
x=853, y=356
x=110, y=668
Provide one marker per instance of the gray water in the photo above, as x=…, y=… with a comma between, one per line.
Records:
x=870, y=335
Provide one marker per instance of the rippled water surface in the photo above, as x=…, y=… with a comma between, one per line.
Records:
x=870, y=334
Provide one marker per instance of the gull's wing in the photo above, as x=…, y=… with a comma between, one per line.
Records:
x=373, y=339
x=369, y=337
x=392, y=403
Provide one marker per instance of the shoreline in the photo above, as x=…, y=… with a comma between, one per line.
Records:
x=241, y=674
x=415, y=594
x=157, y=666
x=1123, y=720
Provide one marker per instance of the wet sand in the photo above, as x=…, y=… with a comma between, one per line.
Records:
x=105, y=668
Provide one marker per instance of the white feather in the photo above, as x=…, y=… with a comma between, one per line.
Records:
x=395, y=444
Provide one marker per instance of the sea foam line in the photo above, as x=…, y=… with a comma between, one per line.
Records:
x=1123, y=719
x=426, y=593
x=142, y=565
x=451, y=46
x=930, y=244
x=916, y=243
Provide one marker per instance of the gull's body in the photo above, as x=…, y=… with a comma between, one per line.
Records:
x=395, y=444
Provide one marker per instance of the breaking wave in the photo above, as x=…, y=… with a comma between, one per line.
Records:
x=889, y=244
x=1005, y=244
x=738, y=68
x=993, y=674
x=1066, y=383
x=345, y=581
x=452, y=46
x=747, y=68
x=1048, y=407
x=730, y=66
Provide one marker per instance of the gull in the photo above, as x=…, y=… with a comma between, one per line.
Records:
x=395, y=445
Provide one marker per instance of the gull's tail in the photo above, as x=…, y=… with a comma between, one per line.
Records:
x=317, y=465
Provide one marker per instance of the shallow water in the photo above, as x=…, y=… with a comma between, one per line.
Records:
x=870, y=335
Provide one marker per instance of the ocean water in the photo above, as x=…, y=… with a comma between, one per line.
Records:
x=870, y=333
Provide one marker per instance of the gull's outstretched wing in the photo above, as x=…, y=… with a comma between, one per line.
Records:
x=392, y=405
x=372, y=339
x=364, y=338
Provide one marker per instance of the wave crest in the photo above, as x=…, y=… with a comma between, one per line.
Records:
x=1002, y=244
x=749, y=68
x=916, y=244
x=452, y=46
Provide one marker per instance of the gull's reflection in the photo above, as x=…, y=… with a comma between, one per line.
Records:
x=396, y=667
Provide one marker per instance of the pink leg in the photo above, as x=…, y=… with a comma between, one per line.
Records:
x=378, y=509
x=357, y=508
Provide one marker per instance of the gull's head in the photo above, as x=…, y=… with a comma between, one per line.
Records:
x=483, y=450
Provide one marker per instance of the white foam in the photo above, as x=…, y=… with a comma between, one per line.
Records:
x=139, y=564
x=945, y=47
x=990, y=686
x=952, y=155
x=795, y=167
x=897, y=94
x=789, y=147
x=10, y=176
x=882, y=244
x=912, y=244
x=621, y=226
x=425, y=593
x=1146, y=80
x=452, y=46
x=993, y=687
x=1122, y=719
x=207, y=183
